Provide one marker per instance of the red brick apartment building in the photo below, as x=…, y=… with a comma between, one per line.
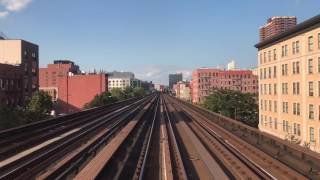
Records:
x=10, y=85
x=276, y=25
x=204, y=80
x=19, y=61
x=70, y=89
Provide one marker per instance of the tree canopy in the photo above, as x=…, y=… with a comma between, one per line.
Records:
x=234, y=104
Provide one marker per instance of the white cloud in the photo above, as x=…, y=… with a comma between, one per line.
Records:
x=3, y=14
x=13, y=6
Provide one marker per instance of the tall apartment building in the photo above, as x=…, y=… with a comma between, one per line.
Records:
x=204, y=80
x=174, y=78
x=276, y=25
x=23, y=57
x=68, y=87
x=122, y=80
x=289, y=80
x=11, y=85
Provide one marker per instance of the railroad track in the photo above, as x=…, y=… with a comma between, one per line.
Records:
x=157, y=137
x=32, y=164
x=16, y=140
x=242, y=160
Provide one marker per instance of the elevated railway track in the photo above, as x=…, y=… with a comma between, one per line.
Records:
x=156, y=137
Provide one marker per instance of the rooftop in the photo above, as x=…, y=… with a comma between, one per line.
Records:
x=295, y=30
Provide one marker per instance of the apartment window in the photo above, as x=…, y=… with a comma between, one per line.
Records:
x=270, y=122
x=275, y=123
x=270, y=105
x=310, y=43
x=261, y=58
x=296, y=109
x=269, y=75
x=269, y=56
x=286, y=50
x=261, y=104
x=311, y=129
x=294, y=128
x=297, y=47
x=284, y=125
x=284, y=88
x=284, y=69
x=275, y=89
x=261, y=74
x=264, y=57
x=293, y=47
x=261, y=120
x=282, y=51
x=270, y=91
x=265, y=105
x=264, y=73
x=275, y=107
x=274, y=54
x=319, y=46
x=285, y=107
x=298, y=130
x=275, y=70
x=265, y=88
x=295, y=68
x=310, y=88
x=311, y=111
x=319, y=64
x=310, y=66
x=296, y=88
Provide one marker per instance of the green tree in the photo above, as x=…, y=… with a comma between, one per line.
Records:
x=10, y=117
x=118, y=94
x=139, y=92
x=38, y=107
x=234, y=104
x=128, y=92
x=100, y=100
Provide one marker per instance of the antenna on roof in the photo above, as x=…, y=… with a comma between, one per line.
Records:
x=3, y=36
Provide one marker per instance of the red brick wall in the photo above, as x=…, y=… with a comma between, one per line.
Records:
x=76, y=91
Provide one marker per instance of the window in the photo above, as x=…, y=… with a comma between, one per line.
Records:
x=310, y=88
x=275, y=107
x=310, y=43
x=298, y=130
x=311, y=129
x=275, y=70
x=270, y=122
x=270, y=105
x=319, y=64
x=270, y=91
x=284, y=50
x=295, y=68
x=296, y=109
x=297, y=47
x=269, y=73
x=296, y=88
x=310, y=66
x=269, y=56
x=285, y=126
x=285, y=107
x=275, y=89
x=275, y=123
x=284, y=88
x=319, y=43
x=274, y=54
x=311, y=111
x=261, y=58
x=293, y=47
x=264, y=57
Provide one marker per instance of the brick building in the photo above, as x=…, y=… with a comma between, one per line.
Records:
x=289, y=80
x=19, y=61
x=276, y=25
x=11, y=85
x=204, y=80
x=68, y=87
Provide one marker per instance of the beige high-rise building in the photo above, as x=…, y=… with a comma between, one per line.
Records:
x=26, y=55
x=289, y=84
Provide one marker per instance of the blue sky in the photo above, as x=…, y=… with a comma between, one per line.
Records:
x=149, y=37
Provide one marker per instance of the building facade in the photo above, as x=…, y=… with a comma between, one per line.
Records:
x=122, y=80
x=69, y=88
x=276, y=25
x=174, y=78
x=11, y=85
x=204, y=80
x=289, y=80
x=25, y=55
x=182, y=90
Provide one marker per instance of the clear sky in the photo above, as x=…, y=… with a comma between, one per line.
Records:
x=149, y=37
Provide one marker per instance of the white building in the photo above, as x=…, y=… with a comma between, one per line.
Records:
x=231, y=65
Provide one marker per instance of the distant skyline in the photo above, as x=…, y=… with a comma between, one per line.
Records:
x=149, y=38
